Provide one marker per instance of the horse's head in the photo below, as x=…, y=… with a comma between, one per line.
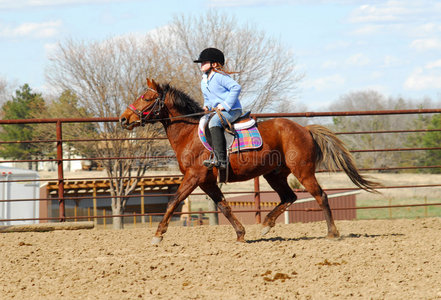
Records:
x=146, y=108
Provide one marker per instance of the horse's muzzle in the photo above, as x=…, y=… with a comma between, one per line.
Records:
x=124, y=123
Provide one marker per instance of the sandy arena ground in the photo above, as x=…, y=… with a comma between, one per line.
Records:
x=381, y=259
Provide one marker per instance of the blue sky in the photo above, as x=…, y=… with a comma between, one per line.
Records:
x=393, y=47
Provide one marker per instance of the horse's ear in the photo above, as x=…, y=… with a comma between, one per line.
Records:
x=148, y=82
x=154, y=85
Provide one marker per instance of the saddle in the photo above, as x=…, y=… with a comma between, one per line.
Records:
x=244, y=134
x=241, y=135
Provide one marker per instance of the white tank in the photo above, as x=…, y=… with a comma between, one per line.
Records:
x=19, y=190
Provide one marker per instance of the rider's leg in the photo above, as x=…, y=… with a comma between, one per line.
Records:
x=218, y=138
x=219, y=147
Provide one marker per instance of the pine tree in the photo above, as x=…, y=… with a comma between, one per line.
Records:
x=66, y=105
x=433, y=139
x=20, y=107
x=415, y=140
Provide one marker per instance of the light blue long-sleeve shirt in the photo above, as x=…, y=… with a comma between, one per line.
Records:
x=221, y=89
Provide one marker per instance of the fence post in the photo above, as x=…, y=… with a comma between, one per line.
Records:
x=390, y=208
x=95, y=209
x=62, y=212
x=142, y=204
x=257, y=199
x=104, y=218
x=425, y=207
x=257, y=196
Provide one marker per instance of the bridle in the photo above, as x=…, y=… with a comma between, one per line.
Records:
x=153, y=109
x=144, y=115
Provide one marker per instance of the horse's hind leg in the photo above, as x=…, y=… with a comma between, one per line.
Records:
x=278, y=181
x=312, y=186
x=214, y=192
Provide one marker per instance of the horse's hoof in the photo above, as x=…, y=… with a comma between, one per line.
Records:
x=333, y=235
x=240, y=240
x=156, y=240
x=265, y=230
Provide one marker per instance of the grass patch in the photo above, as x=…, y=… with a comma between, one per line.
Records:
x=398, y=212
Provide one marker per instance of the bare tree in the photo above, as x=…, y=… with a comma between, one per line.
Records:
x=3, y=91
x=265, y=69
x=372, y=100
x=106, y=76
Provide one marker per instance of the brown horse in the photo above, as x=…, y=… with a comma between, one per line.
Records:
x=287, y=148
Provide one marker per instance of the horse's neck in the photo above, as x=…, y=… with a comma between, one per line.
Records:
x=179, y=130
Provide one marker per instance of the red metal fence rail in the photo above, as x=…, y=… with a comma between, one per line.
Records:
x=60, y=160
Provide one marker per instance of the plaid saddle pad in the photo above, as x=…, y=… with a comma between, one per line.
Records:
x=246, y=139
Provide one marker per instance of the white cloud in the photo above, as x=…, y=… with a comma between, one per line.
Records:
x=50, y=48
x=358, y=59
x=426, y=44
x=377, y=75
x=382, y=89
x=391, y=61
x=323, y=83
x=423, y=79
x=368, y=29
x=428, y=28
x=37, y=30
x=22, y=4
x=434, y=64
x=338, y=45
x=330, y=64
x=389, y=11
x=237, y=3
x=393, y=11
x=404, y=17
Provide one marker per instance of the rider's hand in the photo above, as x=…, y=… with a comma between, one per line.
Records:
x=220, y=107
x=206, y=109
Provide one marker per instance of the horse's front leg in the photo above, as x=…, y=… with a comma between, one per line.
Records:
x=189, y=183
x=214, y=192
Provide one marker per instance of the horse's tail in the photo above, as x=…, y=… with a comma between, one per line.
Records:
x=333, y=153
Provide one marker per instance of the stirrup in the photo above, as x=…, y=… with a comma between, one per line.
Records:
x=221, y=165
x=209, y=163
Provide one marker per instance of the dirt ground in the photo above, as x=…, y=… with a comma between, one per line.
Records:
x=375, y=259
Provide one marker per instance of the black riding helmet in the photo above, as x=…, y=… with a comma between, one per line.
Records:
x=212, y=55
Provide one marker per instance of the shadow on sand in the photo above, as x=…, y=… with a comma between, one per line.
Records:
x=306, y=238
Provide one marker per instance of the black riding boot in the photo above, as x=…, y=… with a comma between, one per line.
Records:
x=219, y=147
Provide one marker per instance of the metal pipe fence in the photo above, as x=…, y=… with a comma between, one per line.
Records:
x=60, y=160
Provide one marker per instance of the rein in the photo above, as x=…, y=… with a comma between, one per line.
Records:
x=179, y=117
x=155, y=108
x=228, y=128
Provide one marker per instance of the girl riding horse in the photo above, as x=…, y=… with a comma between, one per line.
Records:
x=220, y=92
x=288, y=148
